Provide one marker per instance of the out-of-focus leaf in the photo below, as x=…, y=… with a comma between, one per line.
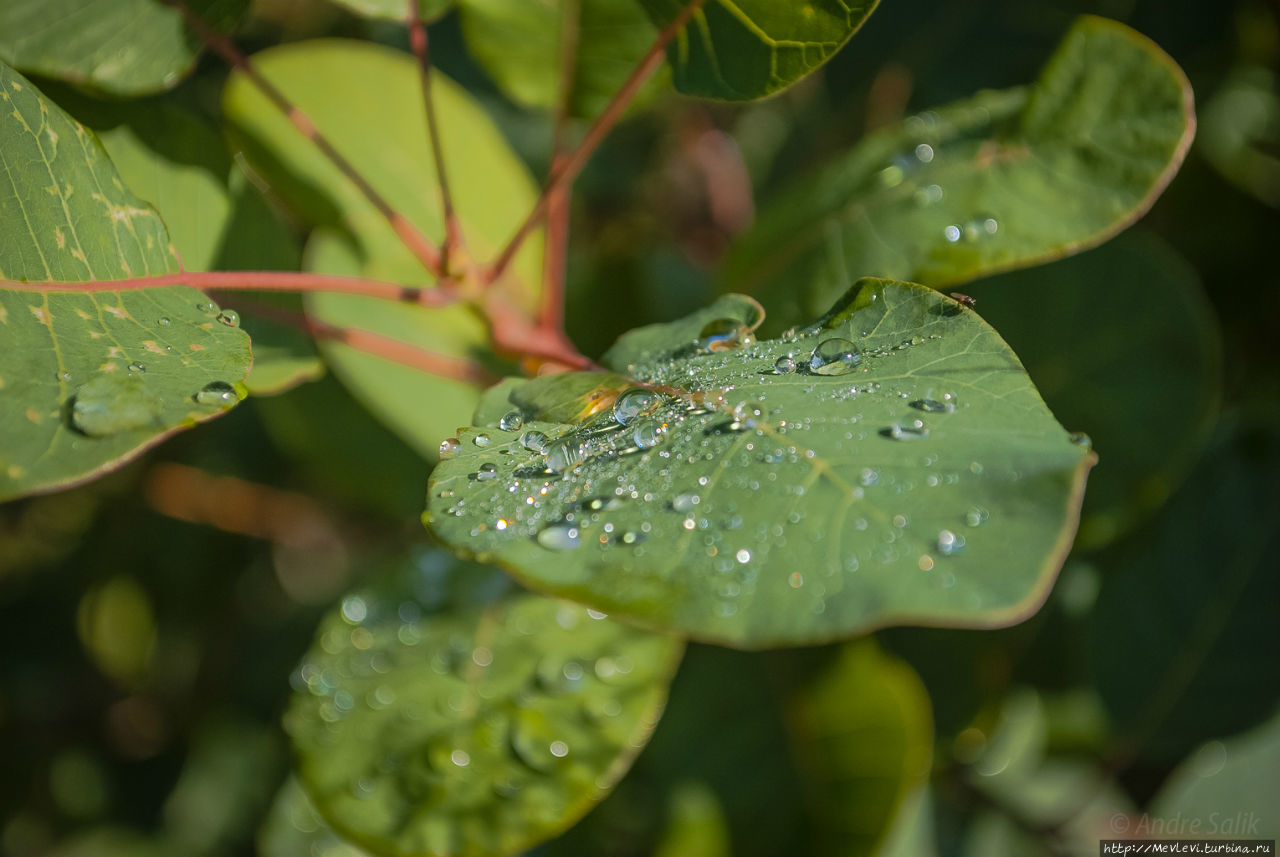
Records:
x=477, y=731
x=493, y=191
x=1072, y=325
x=519, y=45
x=1183, y=635
x=1003, y=180
x=1241, y=120
x=783, y=492
x=397, y=10
x=1226, y=788
x=124, y=47
x=743, y=49
x=293, y=828
x=90, y=379
x=696, y=825
x=863, y=734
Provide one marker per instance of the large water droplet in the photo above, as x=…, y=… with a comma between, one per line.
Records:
x=685, y=502
x=649, y=434
x=977, y=516
x=511, y=422
x=911, y=430
x=932, y=406
x=135, y=366
x=1079, y=438
x=110, y=404
x=535, y=441
x=486, y=473
x=949, y=542
x=784, y=365
x=560, y=537
x=218, y=393
x=724, y=334
x=634, y=403
x=565, y=454
x=229, y=317
x=449, y=447
x=482, y=440
x=834, y=357
x=163, y=321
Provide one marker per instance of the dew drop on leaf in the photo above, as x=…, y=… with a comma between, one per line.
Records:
x=649, y=434
x=931, y=406
x=229, y=317
x=511, y=422
x=535, y=441
x=135, y=366
x=949, y=542
x=724, y=334
x=912, y=430
x=449, y=447
x=486, y=473
x=163, y=321
x=634, y=403
x=217, y=393
x=784, y=365
x=834, y=356
x=560, y=537
x=482, y=440
x=565, y=454
x=685, y=502
x=110, y=404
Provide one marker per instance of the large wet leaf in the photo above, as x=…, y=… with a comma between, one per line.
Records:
x=1071, y=323
x=1183, y=633
x=446, y=713
x=88, y=380
x=743, y=49
x=1004, y=180
x=892, y=464
x=125, y=47
x=373, y=129
x=863, y=733
x=520, y=43
x=397, y=10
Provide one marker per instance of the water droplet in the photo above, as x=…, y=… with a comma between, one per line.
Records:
x=977, y=516
x=560, y=537
x=1079, y=438
x=634, y=403
x=163, y=320
x=217, y=393
x=460, y=758
x=649, y=434
x=559, y=749
x=913, y=430
x=949, y=542
x=834, y=357
x=924, y=153
x=565, y=454
x=952, y=233
x=354, y=609
x=724, y=334
x=796, y=580
x=229, y=317
x=511, y=422
x=486, y=473
x=135, y=366
x=743, y=556
x=64, y=376
x=685, y=502
x=482, y=440
x=207, y=307
x=928, y=195
x=535, y=441
x=784, y=365
x=449, y=447
x=931, y=406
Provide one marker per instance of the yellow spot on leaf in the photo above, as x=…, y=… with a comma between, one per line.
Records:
x=59, y=237
x=195, y=347
x=79, y=254
x=115, y=351
x=41, y=314
x=17, y=87
x=117, y=311
x=34, y=415
x=84, y=316
x=150, y=345
x=16, y=472
x=108, y=367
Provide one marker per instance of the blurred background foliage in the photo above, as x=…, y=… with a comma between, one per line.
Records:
x=150, y=620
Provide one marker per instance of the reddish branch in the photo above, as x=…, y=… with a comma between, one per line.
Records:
x=421, y=50
x=573, y=164
x=252, y=281
x=555, y=259
x=415, y=241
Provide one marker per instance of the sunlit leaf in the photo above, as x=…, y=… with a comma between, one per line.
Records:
x=520, y=43
x=1004, y=180
x=446, y=713
x=372, y=128
x=743, y=49
x=89, y=379
x=124, y=47
x=892, y=464
x=397, y=10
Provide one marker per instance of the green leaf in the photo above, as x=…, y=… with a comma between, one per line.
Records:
x=919, y=480
x=293, y=828
x=519, y=44
x=492, y=193
x=1000, y=181
x=180, y=164
x=1071, y=323
x=124, y=47
x=396, y=10
x=1226, y=788
x=446, y=713
x=696, y=825
x=743, y=49
x=863, y=734
x=1183, y=633
x=90, y=379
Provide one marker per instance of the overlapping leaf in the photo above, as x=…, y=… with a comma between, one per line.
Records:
x=1003, y=180
x=743, y=49
x=397, y=10
x=372, y=128
x=87, y=380
x=125, y=47
x=445, y=713
x=891, y=465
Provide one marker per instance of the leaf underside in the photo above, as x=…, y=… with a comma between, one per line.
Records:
x=922, y=482
x=1000, y=181
x=89, y=379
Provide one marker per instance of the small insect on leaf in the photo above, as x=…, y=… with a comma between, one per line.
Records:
x=964, y=299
